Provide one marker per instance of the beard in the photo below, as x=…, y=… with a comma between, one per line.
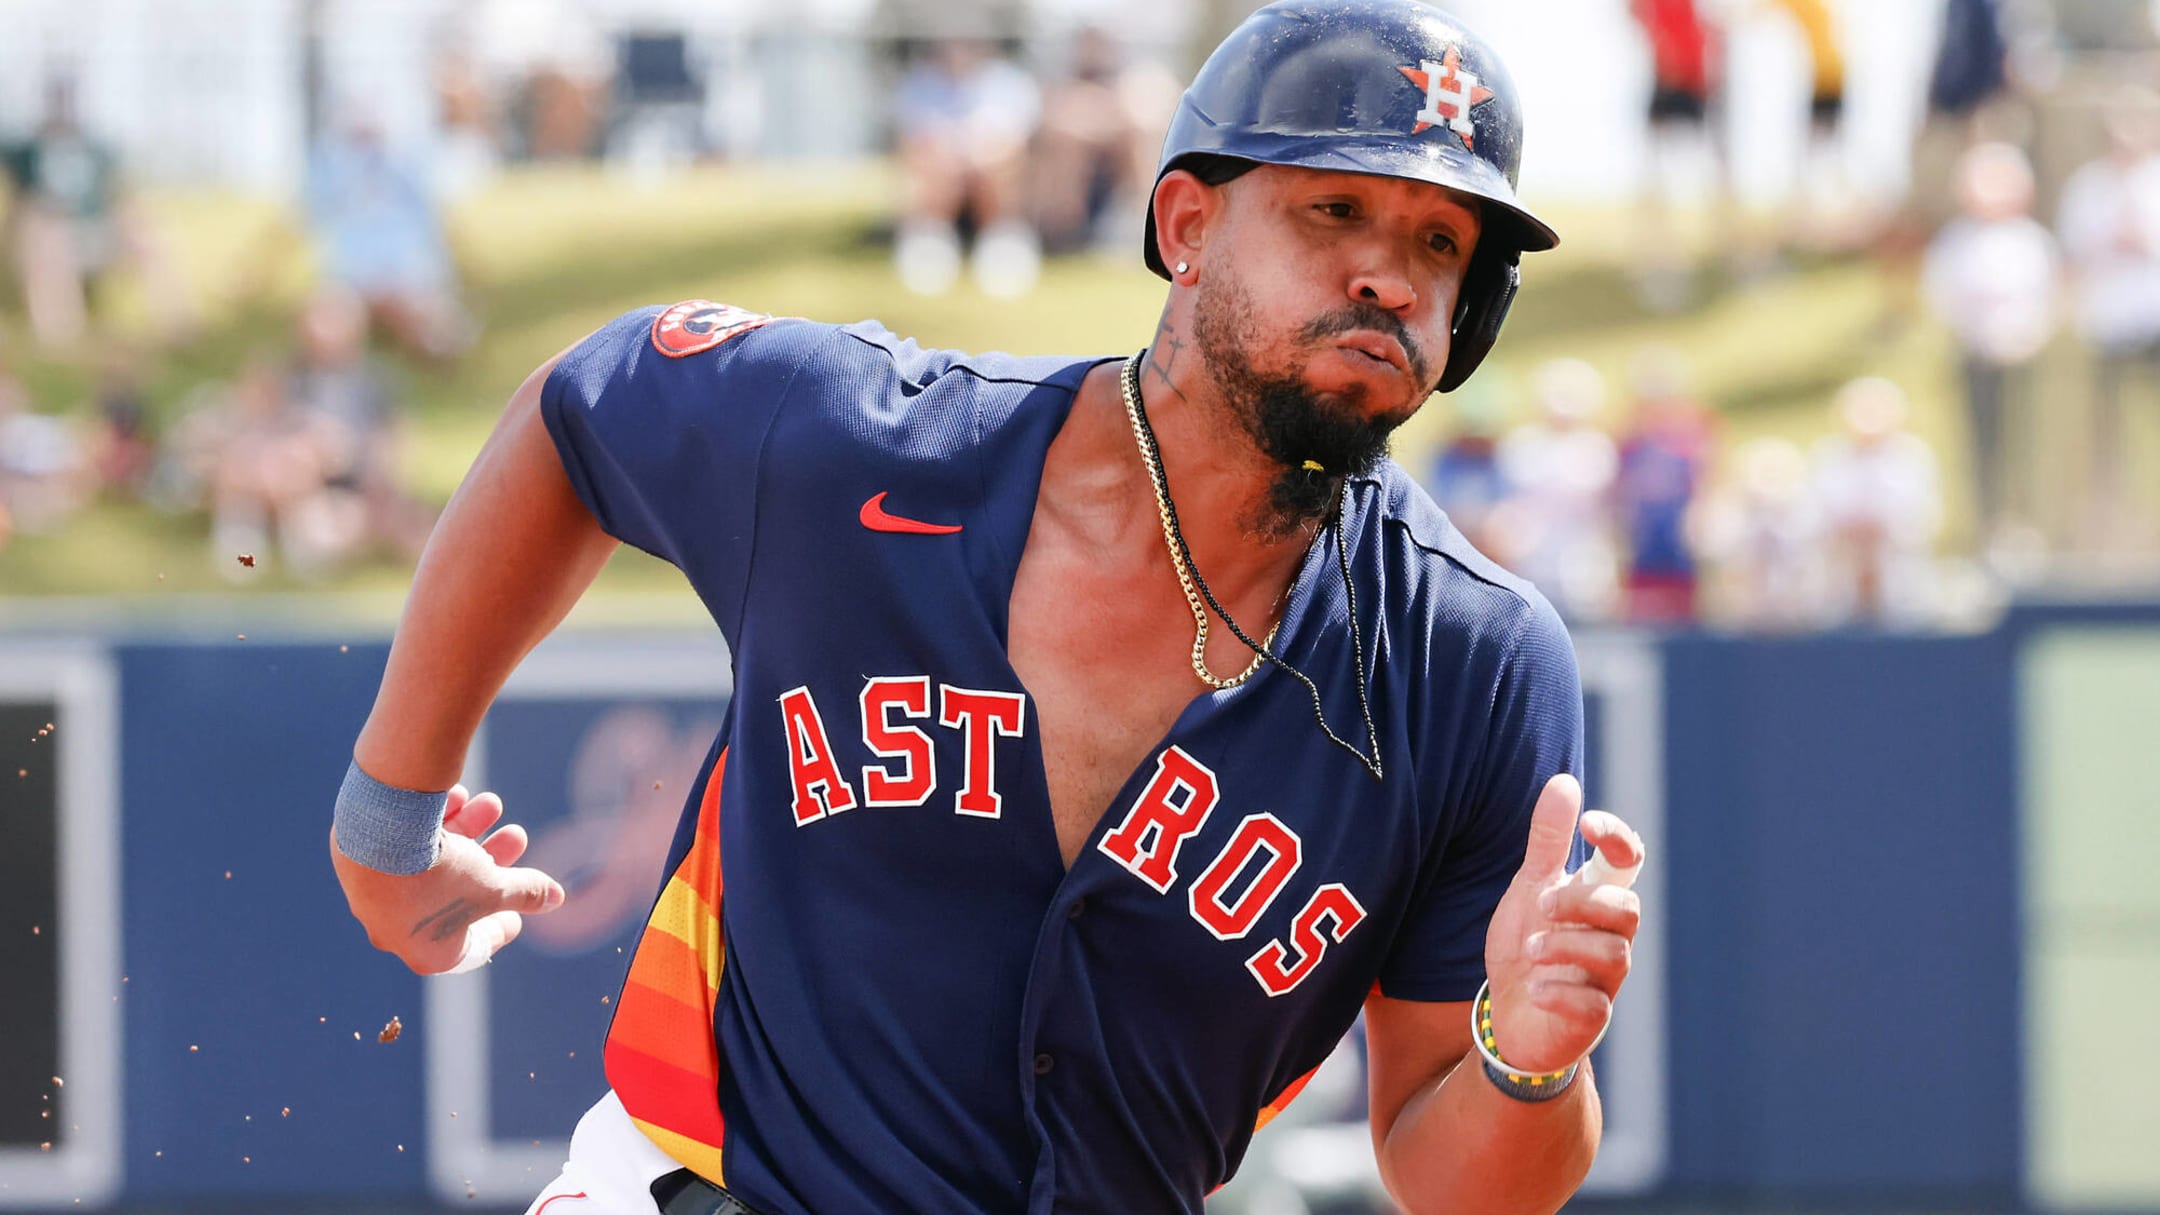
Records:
x=1290, y=423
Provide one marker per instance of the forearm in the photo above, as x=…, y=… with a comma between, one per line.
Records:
x=1463, y=1145
x=509, y=558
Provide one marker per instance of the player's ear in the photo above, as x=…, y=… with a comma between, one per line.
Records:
x=1186, y=208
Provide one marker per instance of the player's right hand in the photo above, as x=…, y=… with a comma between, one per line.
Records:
x=454, y=915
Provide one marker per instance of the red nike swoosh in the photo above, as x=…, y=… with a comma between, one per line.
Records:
x=551, y=1202
x=875, y=518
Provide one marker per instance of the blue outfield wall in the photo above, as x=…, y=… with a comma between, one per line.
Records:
x=231, y=753
x=1840, y=830
x=1841, y=960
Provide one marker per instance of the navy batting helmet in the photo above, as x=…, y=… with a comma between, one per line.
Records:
x=1388, y=87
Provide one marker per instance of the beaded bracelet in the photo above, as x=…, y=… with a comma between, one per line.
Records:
x=1516, y=1083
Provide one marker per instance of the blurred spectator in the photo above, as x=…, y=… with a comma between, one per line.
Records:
x=1881, y=504
x=1466, y=480
x=1681, y=50
x=470, y=147
x=336, y=382
x=265, y=466
x=656, y=117
x=964, y=116
x=561, y=114
x=2109, y=221
x=71, y=226
x=1683, y=73
x=1095, y=154
x=1764, y=534
x=1991, y=275
x=122, y=452
x=1823, y=198
x=1559, y=524
x=380, y=238
x=1972, y=60
x=551, y=60
x=1970, y=78
x=1664, y=459
x=43, y=476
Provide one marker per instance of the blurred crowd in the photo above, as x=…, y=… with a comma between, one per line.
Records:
x=1001, y=164
x=1637, y=511
x=295, y=460
x=2032, y=241
x=2031, y=225
x=1640, y=513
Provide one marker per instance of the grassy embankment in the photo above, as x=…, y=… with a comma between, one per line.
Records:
x=552, y=253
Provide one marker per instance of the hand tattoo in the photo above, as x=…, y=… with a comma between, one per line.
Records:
x=450, y=921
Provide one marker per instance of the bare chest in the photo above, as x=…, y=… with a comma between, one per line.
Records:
x=1105, y=663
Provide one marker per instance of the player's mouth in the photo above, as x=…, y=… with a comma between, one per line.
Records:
x=1378, y=347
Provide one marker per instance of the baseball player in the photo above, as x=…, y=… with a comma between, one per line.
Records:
x=1107, y=732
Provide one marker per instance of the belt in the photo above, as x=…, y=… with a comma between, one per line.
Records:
x=683, y=1192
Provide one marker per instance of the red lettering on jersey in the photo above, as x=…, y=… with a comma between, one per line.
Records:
x=1174, y=805
x=695, y=326
x=1229, y=922
x=819, y=787
x=1332, y=902
x=983, y=716
x=918, y=763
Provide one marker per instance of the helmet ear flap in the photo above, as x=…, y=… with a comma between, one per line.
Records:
x=1487, y=291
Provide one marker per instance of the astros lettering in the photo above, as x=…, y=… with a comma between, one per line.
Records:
x=1227, y=898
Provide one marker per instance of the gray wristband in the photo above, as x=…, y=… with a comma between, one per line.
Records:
x=386, y=828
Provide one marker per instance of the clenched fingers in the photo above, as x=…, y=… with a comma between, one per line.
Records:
x=1603, y=957
x=1612, y=908
x=1582, y=1005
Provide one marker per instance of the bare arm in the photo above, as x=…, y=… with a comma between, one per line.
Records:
x=1448, y=1140
x=1557, y=952
x=510, y=556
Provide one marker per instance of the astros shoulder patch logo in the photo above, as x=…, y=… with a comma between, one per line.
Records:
x=695, y=326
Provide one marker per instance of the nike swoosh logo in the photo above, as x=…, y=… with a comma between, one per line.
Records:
x=877, y=519
x=552, y=1201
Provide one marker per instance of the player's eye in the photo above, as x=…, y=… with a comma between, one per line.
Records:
x=1336, y=210
x=1442, y=243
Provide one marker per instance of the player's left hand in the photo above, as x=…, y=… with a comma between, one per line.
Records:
x=1560, y=944
x=454, y=915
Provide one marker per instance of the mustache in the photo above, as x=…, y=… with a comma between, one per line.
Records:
x=1373, y=317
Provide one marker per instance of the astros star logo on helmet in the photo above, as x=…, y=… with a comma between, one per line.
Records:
x=1450, y=92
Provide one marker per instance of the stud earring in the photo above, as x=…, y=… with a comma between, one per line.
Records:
x=1182, y=267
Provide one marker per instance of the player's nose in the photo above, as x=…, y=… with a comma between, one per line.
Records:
x=1388, y=286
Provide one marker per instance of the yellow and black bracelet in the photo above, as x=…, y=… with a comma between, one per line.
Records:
x=1516, y=1083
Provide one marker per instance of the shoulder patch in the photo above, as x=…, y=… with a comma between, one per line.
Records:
x=695, y=326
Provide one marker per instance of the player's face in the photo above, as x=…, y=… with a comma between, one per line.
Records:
x=1327, y=324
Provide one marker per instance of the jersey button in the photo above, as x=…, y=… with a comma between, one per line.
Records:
x=1043, y=1064
x=1078, y=906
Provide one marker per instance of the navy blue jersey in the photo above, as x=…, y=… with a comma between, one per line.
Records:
x=871, y=983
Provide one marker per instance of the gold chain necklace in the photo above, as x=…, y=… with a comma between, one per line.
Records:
x=1129, y=383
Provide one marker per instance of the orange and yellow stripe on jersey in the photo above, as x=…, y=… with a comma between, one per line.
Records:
x=661, y=1057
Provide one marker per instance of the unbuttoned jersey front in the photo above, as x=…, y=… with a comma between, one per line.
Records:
x=870, y=983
